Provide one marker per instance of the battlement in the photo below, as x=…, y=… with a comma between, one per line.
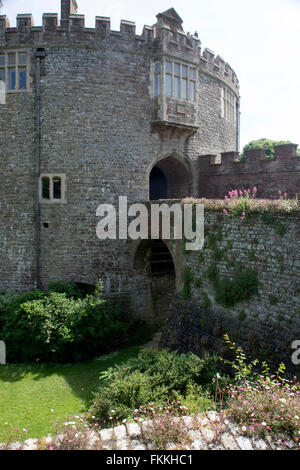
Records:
x=217, y=177
x=216, y=65
x=285, y=155
x=165, y=37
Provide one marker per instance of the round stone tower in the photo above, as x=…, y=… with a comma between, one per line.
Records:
x=91, y=114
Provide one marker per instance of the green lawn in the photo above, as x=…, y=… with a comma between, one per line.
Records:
x=31, y=396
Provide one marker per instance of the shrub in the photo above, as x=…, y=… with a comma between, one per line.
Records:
x=154, y=377
x=195, y=400
x=6, y=297
x=54, y=327
x=63, y=287
x=263, y=404
x=231, y=291
x=264, y=143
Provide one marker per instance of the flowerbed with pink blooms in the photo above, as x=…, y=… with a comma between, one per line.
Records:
x=267, y=407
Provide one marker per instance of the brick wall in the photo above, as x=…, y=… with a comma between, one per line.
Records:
x=269, y=176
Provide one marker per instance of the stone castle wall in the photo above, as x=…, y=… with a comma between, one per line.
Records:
x=97, y=129
x=265, y=324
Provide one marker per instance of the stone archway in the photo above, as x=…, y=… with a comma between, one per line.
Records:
x=155, y=268
x=171, y=177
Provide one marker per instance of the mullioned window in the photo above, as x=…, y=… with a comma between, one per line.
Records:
x=14, y=70
x=228, y=105
x=178, y=80
x=52, y=188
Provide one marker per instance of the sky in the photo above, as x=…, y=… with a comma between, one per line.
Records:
x=260, y=39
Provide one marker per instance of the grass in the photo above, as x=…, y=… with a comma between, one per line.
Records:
x=29, y=393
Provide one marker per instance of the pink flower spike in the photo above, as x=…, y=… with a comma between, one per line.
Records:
x=225, y=211
x=255, y=190
x=279, y=192
x=241, y=192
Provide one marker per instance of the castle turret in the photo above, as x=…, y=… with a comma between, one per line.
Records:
x=68, y=7
x=170, y=18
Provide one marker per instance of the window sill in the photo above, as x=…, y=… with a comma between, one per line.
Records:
x=53, y=201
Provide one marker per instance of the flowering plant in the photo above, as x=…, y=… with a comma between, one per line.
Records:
x=288, y=204
x=263, y=404
x=238, y=202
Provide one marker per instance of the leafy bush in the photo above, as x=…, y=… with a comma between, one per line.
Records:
x=58, y=328
x=263, y=404
x=196, y=399
x=267, y=144
x=6, y=297
x=153, y=377
x=231, y=291
x=63, y=287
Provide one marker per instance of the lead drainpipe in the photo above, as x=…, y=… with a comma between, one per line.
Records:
x=39, y=54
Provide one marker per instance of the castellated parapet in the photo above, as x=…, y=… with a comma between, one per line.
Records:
x=281, y=173
x=162, y=38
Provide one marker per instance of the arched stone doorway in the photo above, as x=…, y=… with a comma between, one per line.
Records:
x=154, y=265
x=158, y=184
x=170, y=178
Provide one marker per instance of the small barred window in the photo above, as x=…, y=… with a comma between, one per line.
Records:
x=52, y=188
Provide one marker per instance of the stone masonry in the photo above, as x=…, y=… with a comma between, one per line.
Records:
x=104, y=109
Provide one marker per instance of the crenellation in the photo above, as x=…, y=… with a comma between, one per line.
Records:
x=255, y=155
x=4, y=23
x=128, y=28
x=76, y=23
x=227, y=159
x=256, y=169
x=287, y=151
x=148, y=33
x=24, y=23
x=103, y=27
x=209, y=55
x=167, y=36
x=50, y=22
x=220, y=62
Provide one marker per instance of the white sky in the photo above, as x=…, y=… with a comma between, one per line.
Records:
x=260, y=39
